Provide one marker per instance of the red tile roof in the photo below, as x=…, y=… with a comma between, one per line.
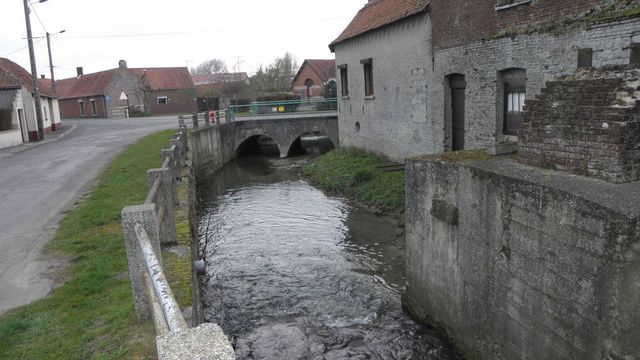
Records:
x=86, y=85
x=13, y=75
x=325, y=69
x=96, y=84
x=166, y=78
x=378, y=13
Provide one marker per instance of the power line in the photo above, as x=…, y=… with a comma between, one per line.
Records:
x=39, y=20
x=133, y=35
x=18, y=50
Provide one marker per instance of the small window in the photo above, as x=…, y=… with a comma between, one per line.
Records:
x=344, y=80
x=81, y=103
x=94, y=108
x=46, y=114
x=368, y=77
x=634, y=56
x=585, y=58
x=515, y=81
x=162, y=100
x=507, y=4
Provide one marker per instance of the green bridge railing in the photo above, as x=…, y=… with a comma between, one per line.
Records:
x=277, y=109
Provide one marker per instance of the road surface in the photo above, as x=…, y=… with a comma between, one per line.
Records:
x=38, y=183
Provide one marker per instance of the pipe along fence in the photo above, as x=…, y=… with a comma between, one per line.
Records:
x=146, y=227
x=264, y=110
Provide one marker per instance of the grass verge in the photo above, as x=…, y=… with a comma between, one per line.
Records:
x=91, y=316
x=356, y=174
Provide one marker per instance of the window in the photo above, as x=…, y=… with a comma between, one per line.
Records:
x=507, y=4
x=514, y=81
x=368, y=77
x=81, y=103
x=585, y=57
x=162, y=100
x=46, y=115
x=344, y=80
x=309, y=85
x=94, y=108
x=634, y=56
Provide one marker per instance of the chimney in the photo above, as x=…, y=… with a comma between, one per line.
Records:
x=42, y=76
x=80, y=71
x=122, y=64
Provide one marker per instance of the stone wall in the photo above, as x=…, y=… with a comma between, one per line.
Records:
x=394, y=121
x=514, y=262
x=215, y=146
x=544, y=57
x=586, y=127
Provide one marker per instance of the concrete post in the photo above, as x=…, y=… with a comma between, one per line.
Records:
x=195, y=120
x=166, y=198
x=174, y=171
x=144, y=215
x=206, y=342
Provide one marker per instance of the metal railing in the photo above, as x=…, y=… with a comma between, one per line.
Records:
x=280, y=109
x=145, y=228
x=264, y=110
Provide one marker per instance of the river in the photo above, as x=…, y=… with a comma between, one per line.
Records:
x=294, y=273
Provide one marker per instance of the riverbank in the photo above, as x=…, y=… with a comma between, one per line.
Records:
x=91, y=315
x=359, y=175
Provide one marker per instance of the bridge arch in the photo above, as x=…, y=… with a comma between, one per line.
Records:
x=297, y=141
x=247, y=139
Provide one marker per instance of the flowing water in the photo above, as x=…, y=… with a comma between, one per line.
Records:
x=296, y=274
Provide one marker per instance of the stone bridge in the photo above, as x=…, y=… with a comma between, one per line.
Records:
x=214, y=146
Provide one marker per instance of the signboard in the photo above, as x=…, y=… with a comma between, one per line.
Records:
x=123, y=96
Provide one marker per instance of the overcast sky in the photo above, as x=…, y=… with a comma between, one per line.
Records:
x=163, y=33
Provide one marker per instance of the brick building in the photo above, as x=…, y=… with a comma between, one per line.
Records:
x=466, y=67
x=112, y=93
x=310, y=78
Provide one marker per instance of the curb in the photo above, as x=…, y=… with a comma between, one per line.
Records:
x=5, y=153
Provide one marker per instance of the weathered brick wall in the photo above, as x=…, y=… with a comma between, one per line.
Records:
x=585, y=127
x=70, y=109
x=459, y=22
x=545, y=57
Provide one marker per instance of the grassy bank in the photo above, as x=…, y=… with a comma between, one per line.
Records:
x=91, y=316
x=357, y=174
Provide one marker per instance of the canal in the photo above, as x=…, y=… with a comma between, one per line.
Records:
x=294, y=273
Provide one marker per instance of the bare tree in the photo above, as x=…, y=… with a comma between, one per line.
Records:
x=213, y=66
x=276, y=77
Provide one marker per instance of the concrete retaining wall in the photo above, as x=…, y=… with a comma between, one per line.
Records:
x=515, y=262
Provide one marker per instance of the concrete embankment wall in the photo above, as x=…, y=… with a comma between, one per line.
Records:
x=211, y=148
x=516, y=262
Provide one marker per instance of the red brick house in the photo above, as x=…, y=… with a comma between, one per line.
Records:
x=112, y=93
x=311, y=77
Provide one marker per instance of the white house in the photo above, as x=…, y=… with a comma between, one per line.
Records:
x=17, y=106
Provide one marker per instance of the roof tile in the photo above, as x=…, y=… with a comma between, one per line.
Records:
x=378, y=13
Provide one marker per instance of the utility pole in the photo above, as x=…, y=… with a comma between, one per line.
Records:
x=34, y=73
x=53, y=79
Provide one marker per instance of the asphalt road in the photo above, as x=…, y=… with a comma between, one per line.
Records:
x=38, y=183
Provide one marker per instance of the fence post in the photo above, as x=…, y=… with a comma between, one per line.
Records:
x=144, y=215
x=195, y=120
x=165, y=198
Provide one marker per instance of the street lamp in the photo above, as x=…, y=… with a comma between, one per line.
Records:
x=34, y=71
x=53, y=79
